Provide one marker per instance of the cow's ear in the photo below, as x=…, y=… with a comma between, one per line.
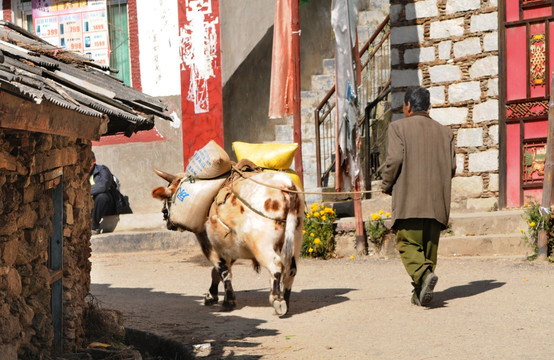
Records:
x=160, y=193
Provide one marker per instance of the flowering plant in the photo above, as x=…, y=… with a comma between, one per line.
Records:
x=376, y=229
x=319, y=237
x=535, y=222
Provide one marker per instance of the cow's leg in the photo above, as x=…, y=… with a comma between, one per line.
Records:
x=288, y=279
x=272, y=261
x=224, y=269
x=211, y=297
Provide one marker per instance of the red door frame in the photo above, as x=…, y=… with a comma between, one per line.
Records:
x=525, y=25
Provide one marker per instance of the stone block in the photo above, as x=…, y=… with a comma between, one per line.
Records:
x=443, y=73
x=437, y=95
x=460, y=160
x=487, y=111
x=483, y=161
x=419, y=55
x=455, y=6
x=406, y=34
x=394, y=56
x=444, y=49
x=490, y=41
x=484, y=67
x=482, y=204
x=447, y=28
x=395, y=11
x=397, y=99
x=484, y=22
x=493, y=182
x=465, y=187
x=492, y=85
x=469, y=46
x=470, y=137
x=7, y=161
x=421, y=9
x=450, y=115
x=400, y=78
x=68, y=214
x=493, y=134
x=464, y=91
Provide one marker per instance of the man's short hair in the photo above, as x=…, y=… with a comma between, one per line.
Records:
x=93, y=157
x=418, y=98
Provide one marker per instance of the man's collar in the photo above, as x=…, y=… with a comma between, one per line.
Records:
x=421, y=113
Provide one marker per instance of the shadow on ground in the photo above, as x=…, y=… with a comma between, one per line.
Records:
x=441, y=298
x=186, y=320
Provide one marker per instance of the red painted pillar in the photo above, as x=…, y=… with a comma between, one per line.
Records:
x=7, y=10
x=201, y=88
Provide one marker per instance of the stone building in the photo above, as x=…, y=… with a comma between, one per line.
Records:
x=53, y=103
x=451, y=48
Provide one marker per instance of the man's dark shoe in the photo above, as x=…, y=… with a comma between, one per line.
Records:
x=415, y=298
x=429, y=283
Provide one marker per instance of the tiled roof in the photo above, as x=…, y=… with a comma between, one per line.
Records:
x=37, y=71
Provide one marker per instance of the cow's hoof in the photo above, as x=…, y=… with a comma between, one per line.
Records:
x=209, y=300
x=280, y=307
x=228, y=306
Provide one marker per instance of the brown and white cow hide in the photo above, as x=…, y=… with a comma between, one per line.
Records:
x=248, y=220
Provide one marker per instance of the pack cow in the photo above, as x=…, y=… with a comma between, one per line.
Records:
x=248, y=220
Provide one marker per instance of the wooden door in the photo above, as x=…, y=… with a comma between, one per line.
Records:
x=528, y=37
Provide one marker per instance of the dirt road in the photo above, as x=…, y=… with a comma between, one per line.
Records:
x=340, y=309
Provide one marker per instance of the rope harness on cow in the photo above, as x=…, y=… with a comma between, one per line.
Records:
x=239, y=171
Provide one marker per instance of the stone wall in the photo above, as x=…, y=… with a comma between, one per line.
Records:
x=451, y=48
x=28, y=163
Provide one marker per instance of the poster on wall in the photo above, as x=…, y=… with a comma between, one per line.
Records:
x=201, y=88
x=80, y=26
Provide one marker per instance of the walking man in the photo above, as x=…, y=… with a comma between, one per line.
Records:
x=418, y=170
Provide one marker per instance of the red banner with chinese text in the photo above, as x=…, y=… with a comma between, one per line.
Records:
x=201, y=88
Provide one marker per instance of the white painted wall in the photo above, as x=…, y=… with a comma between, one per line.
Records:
x=159, y=47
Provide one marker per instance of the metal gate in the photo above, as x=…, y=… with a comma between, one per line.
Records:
x=528, y=38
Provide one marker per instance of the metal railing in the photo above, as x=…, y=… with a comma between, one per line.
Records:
x=374, y=85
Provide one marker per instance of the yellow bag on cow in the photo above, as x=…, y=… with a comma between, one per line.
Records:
x=273, y=156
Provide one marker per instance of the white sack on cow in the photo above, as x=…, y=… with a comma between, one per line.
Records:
x=209, y=162
x=191, y=202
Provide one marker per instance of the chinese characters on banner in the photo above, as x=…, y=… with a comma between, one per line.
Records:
x=79, y=25
x=201, y=94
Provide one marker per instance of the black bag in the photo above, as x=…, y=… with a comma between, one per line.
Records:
x=122, y=205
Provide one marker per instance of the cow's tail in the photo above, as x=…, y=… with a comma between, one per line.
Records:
x=293, y=235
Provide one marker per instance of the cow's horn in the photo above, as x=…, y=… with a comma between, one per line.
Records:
x=164, y=175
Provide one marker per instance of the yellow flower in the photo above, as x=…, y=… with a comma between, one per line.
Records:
x=312, y=234
x=521, y=231
x=316, y=214
x=381, y=212
x=387, y=214
x=532, y=224
x=375, y=216
x=352, y=257
x=303, y=232
x=307, y=216
x=329, y=211
x=317, y=241
x=526, y=205
x=310, y=250
x=324, y=218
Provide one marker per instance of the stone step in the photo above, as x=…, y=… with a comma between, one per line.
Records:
x=329, y=67
x=323, y=82
x=485, y=245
